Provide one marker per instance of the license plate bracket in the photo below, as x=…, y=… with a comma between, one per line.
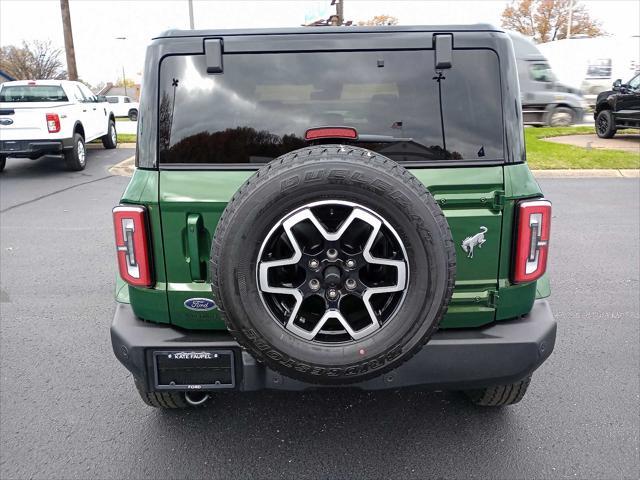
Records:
x=198, y=369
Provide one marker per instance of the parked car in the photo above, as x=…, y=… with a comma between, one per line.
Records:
x=545, y=101
x=321, y=207
x=123, y=106
x=618, y=108
x=52, y=117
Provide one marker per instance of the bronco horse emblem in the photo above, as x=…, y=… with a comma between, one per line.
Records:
x=469, y=243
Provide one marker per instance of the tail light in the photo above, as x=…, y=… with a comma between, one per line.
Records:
x=532, y=240
x=53, y=122
x=132, y=245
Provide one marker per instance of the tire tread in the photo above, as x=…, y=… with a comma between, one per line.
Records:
x=308, y=155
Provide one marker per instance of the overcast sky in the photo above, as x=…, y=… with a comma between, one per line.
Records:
x=96, y=23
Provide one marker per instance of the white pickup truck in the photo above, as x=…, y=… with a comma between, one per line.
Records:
x=123, y=106
x=52, y=117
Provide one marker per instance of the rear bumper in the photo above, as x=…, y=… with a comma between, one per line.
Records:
x=502, y=353
x=34, y=148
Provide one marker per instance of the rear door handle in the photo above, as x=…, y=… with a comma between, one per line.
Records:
x=194, y=227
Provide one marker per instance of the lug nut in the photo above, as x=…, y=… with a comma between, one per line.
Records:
x=350, y=284
x=332, y=294
x=314, y=284
x=332, y=253
x=314, y=263
x=351, y=263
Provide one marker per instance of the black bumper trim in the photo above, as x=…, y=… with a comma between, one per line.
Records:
x=34, y=148
x=502, y=353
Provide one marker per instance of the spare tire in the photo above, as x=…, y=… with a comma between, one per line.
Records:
x=332, y=265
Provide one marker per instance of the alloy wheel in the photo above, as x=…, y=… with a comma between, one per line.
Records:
x=332, y=272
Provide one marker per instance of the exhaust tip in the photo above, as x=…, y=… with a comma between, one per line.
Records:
x=196, y=398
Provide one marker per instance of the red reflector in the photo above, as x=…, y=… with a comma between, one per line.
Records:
x=532, y=241
x=331, y=132
x=53, y=122
x=130, y=224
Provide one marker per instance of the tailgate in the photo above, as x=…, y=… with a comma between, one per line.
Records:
x=19, y=121
x=471, y=198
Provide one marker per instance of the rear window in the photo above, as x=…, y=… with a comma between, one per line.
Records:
x=262, y=104
x=112, y=99
x=32, y=93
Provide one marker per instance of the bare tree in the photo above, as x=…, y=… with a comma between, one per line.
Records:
x=547, y=20
x=34, y=60
x=380, y=20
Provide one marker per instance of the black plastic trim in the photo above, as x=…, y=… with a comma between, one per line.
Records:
x=257, y=166
x=457, y=359
x=34, y=148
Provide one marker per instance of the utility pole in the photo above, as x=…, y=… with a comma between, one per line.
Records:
x=570, y=19
x=190, y=14
x=339, y=11
x=72, y=71
x=124, y=79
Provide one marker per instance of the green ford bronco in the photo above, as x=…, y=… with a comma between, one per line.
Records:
x=331, y=207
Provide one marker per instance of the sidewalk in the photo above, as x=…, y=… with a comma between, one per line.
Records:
x=627, y=143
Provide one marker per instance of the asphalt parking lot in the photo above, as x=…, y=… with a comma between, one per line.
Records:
x=68, y=409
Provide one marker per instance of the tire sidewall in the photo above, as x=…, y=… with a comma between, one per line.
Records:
x=334, y=179
x=610, y=131
x=72, y=157
x=568, y=110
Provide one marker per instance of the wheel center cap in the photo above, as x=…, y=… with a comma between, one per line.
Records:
x=332, y=276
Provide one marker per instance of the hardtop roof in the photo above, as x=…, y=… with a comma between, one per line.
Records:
x=176, y=33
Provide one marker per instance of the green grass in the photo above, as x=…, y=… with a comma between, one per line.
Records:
x=126, y=138
x=122, y=138
x=545, y=155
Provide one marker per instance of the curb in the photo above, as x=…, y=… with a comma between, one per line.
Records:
x=98, y=146
x=594, y=173
x=125, y=168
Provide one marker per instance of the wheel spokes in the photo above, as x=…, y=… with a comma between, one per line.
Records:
x=333, y=239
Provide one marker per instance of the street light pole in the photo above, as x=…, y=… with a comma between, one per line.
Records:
x=190, y=14
x=124, y=79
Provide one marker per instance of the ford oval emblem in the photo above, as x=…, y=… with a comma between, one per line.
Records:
x=5, y=121
x=200, y=304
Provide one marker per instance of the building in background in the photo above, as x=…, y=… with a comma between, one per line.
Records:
x=132, y=92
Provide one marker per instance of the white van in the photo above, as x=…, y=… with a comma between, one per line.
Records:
x=592, y=64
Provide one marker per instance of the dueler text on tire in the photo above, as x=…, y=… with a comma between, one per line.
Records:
x=332, y=264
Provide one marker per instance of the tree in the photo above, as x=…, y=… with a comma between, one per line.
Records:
x=125, y=82
x=379, y=20
x=35, y=60
x=547, y=20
